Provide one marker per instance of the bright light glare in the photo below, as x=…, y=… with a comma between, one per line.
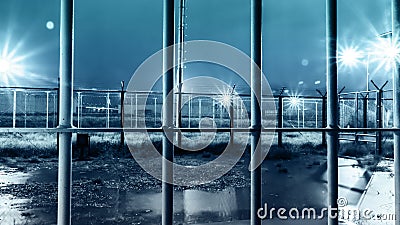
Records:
x=226, y=99
x=350, y=56
x=5, y=66
x=385, y=52
x=294, y=102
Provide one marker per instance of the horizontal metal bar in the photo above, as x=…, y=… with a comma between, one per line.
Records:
x=345, y=139
x=366, y=135
x=152, y=130
x=29, y=88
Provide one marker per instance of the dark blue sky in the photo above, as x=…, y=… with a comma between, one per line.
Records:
x=113, y=37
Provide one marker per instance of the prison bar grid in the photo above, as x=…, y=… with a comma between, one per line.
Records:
x=65, y=129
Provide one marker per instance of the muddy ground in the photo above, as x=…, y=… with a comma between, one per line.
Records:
x=118, y=191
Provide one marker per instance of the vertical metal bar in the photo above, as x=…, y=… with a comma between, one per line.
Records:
x=303, y=112
x=213, y=109
x=79, y=107
x=108, y=110
x=298, y=116
x=155, y=112
x=237, y=112
x=365, y=111
x=54, y=110
x=221, y=108
x=14, y=108
x=65, y=117
x=231, y=117
x=379, y=123
x=341, y=113
x=47, y=109
x=280, y=124
x=122, y=141
x=396, y=106
x=25, y=110
x=332, y=141
x=189, y=111
x=316, y=114
x=167, y=119
x=256, y=53
x=136, y=110
x=131, y=110
x=356, y=107
x=200, y=112
x=324, y=115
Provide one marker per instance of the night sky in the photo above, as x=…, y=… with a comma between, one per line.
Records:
x=113, y=37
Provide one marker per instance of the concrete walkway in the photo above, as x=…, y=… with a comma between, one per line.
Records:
x=379, y=197
x=377, y=203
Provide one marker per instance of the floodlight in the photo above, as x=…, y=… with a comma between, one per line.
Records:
x=5, y=66
x=226, y=99
x=294, y=102
x=350, y=56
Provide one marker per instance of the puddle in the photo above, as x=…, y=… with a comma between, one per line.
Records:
x=12, y=209
x=12, y=176
x=292, y=183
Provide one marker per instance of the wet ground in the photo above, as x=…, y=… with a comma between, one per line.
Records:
x=118, y=191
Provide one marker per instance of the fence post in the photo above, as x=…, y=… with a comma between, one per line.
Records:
x=379, y=121
x=316, y=114
x=379, y=124
x=78, y=109
x=280, y=117
x=200, y=112
x=324, y=115
x=108, y=109
x=122, y=108
x=365, y=111
x=155, y=112
x=47, y=109
x=25, y=94
x=303, y=111
x=65, y=114
x=14, y=120
x=356, y=107
x=231, y=118
x=136, y=110
x=189, y=111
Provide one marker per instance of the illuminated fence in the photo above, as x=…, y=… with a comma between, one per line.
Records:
x=37, y=108
x=360, y=110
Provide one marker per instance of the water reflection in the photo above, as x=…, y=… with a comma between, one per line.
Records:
x=291, y=183
x=12, y=208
